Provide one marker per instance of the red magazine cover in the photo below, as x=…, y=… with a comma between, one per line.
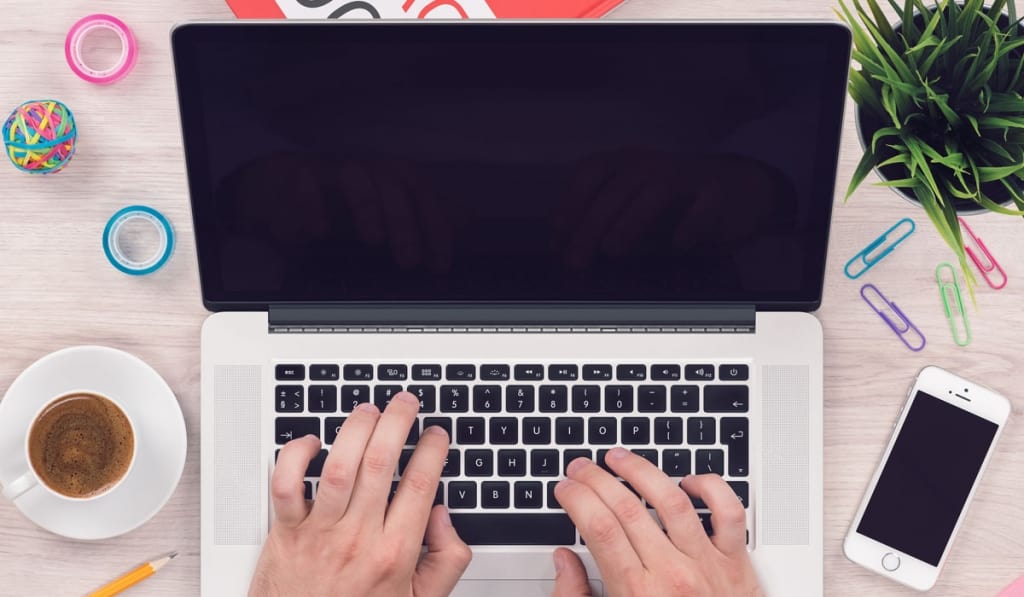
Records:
x=419, y=9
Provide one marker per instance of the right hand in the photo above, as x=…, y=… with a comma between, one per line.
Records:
x=636, y=558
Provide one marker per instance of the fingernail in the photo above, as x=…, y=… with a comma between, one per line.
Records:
x=616, y=454
x=577, y=464
x=366, y=407
x=436, y=430
x=407, y=397
x=559, y=563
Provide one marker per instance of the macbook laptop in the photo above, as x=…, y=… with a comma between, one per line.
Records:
x=561, y=236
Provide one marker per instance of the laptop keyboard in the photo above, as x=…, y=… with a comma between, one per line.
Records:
x=516, y=426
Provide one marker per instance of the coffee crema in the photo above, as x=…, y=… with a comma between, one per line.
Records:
x=81, y=445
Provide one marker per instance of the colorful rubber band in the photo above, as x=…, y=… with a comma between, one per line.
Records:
x=112, y=240
x=73, y=49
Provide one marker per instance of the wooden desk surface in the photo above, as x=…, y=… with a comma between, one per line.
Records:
x=56, y=290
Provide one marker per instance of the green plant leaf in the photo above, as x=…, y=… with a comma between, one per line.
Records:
x=882, y=22
x=992, y=173
x=900, y=183
x=864, y=167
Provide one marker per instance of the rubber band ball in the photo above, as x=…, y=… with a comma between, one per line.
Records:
x=39, y=136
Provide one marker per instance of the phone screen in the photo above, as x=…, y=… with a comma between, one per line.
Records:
x=927, y=478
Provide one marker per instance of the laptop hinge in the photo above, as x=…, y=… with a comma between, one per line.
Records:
x=510, y=318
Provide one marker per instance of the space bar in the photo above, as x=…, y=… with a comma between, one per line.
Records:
x=515, y=529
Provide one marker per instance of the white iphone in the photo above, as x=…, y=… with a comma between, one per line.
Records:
x=918, y=496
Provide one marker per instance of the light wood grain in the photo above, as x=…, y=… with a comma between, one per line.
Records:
x=57, y=290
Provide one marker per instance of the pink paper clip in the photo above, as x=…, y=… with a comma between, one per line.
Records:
x=985, y=267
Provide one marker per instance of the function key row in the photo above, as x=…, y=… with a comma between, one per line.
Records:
x=500, y=372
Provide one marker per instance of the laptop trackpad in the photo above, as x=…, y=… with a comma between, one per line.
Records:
x=515, y=588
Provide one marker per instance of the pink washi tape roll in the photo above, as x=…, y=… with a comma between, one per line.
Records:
x=81, y=30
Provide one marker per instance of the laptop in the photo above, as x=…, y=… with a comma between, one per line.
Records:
x=561, y=236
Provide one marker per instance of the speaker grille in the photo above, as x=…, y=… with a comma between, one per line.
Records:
x=236, y=398
x=786, y=452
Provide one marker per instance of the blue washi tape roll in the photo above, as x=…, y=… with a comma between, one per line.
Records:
x=113, y=236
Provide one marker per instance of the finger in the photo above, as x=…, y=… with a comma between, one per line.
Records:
x=675, y=510
x=446, y=559
x=635, y=222
x=286, y=489
x=400, y=218
x=361, y=196
x=648, y=540
x=409, y=510
x=728, y=518
x=570, y=575
x=377, y=469
x=342, y=466
x=599, y=527
x=599, y=216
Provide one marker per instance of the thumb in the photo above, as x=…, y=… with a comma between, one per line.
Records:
x=570, y=575
x=446, y=559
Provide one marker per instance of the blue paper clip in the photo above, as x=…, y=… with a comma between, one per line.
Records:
x=951, y=290
x=865, y=260
x=901, y=325
x=985, y=267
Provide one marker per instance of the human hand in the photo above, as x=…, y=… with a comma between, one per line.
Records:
x=635, y=556
x=350, y=542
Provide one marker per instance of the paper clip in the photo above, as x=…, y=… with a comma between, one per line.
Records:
x=902, y=326
x=866, y=261
x=946, y=289
x=985, y=267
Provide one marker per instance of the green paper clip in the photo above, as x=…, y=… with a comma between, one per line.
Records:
x=951, y=290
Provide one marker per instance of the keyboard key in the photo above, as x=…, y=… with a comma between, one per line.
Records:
x=460, y=372
x=636, y=431
x=536, y=431
x=600, y=461
x=289, y=399
x=487, y=399
x=493, y=494
x=570, y=455
x=382, y=395
x=631, y=372
x=684, y=399
x=699, y=372
x=735, y=435
x=469, y=430
x=668, y=431
x=553, y=399
x=332, y=427
x=288, y=428
x=494, y=372
x=519, y=399
x=426, y=372
x=514, y=528
x=392, y=372
x=324, y=372
x=316, y=466
x=700, y=430
x=307, y=490
x=461, y=495
x=479, y=463
x=529, y=372
x=427, y=396
x=665, y=372
x=710, y=461
x=569, y=431
x=353, y=396
x=705, y=521
x=597, y=372
x=323, y=399
x=676, y=463
x=618, y=399
x=586, y=399
x=563, y=372
x=452, y=464
x=742, y=490
x=290, y=372
x=511, y=463
x=733, y=372
x=648, y=455
x=357, y=372
x=650, y=399
x=504, y=431
x=403, y=460
x=726, y=399
x=544, y=463
x=528, y=495
x=454, y=399
x=439, y=494
x=414, y=433
x=442, y=422
x=552, y=500
x=602, y=431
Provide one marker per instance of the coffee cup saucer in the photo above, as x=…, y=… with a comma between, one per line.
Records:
x=160, y=440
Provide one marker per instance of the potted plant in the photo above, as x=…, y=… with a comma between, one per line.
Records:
x=940, y=109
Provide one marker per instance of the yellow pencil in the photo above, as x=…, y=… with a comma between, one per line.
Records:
x=134, y=577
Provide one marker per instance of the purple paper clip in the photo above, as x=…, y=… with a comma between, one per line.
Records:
x=902, y=327
x=991, y=265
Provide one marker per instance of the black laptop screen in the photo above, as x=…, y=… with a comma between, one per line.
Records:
x=581, y=162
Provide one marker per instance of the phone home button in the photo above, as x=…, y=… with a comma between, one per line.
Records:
x=890, y=561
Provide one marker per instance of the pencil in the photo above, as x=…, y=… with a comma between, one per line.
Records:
x=134, y=577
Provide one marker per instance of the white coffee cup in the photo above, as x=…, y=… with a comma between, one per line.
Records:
x=31, y=478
